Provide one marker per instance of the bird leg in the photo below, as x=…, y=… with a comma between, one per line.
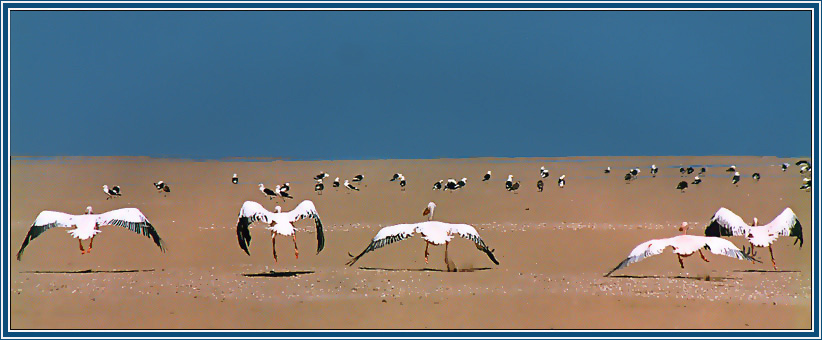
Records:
x=772, y=259
x=426, y=252
x=680, y=261
x=82, y=251
x=89, y=244
x=273, y=247
x=296, y=251
x=752, y=253
x=703, y=256
x=446, y=253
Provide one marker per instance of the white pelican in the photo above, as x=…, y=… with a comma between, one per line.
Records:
x=726, y=223
x=234, y=179
x=278, y=223
x=113, y=192
x=432, y=232
x=684, y=246
x=88, y=225
x=487, y=176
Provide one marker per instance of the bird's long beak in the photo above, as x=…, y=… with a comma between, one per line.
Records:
x=426, y=212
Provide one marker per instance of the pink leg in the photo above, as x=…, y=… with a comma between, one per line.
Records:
x=273, y=245
x=426, y=252
x=296, y=251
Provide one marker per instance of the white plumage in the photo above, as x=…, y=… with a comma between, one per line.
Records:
x=726, y=223
x=87, y=226
x=433, y=232
x=683, y=246
x=278, y=223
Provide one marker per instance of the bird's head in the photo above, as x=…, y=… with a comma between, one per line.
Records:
x=697, y=177
x=337, y=179
x=510, y=177
x=429, y=210
x=318, y=181
x=464, y=179
x=489, y=172
x=105, y=187
x=262, y=186
x=88, y=210
x=542, y=168
x=235, y=175
x=684, y=228
x=755, y=221
x=562, y=177
x=736, y=173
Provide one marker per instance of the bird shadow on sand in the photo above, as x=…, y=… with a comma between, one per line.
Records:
x=462, y=270
x=280, y=274
x=87, y=271
x=695, y=277
x=765, y=271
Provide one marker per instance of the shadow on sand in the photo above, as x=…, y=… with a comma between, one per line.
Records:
x=87, y=271
x=463, y=270
x=765, y=271
x=279, y=274
x=696, y=277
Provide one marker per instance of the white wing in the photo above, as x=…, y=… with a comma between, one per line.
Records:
x=386, y=236
x=45, y=221
x=726, y=223
x=131, y=219
x=786, y=224
x=250, y=212
x=722, y=246
x=467, y=231
x=645, y=249
x=306, y=209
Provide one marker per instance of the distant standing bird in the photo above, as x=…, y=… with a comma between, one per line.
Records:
x=804, y=168
x=267, y=192
x=561, y=181
x=628, y=178
x=801, y=162
x=321, y=175
x=437, y=185
x=756, y=176
x=703, y=170
x=785, y=166
x=806, y=185
x=451, y=185
x=394, y=178
x=234, y=179
x=514, y=187
x=682, y=186
x=402, y=182
x=681, y=171
x=358, y=178
x=283, y=193
x=540, y=185
x=654, y=170
x=336, y=183
x=543, y=173
x=735, y=179
x=162, y=187
x=608, y=170
x=349, y=186
x=726, y=223
x=319, y=187
x=697, y=180
x=683, y=246
x=113, y=192
x=87, y=226
x=287, y=186
x=509, y=182
x=635, y=172
x=462, y=183
x=731, y=169
x=690, y=170
x=487, y=176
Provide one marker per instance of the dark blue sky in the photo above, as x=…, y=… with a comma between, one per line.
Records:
x=362, y=85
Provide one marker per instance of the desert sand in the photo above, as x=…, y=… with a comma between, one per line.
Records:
x=553, y=247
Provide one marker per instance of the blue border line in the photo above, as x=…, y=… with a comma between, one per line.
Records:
x=439, y=334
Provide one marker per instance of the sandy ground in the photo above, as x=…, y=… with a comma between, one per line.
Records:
x=554, y=248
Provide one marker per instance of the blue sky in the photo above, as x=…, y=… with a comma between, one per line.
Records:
x=364, y=85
